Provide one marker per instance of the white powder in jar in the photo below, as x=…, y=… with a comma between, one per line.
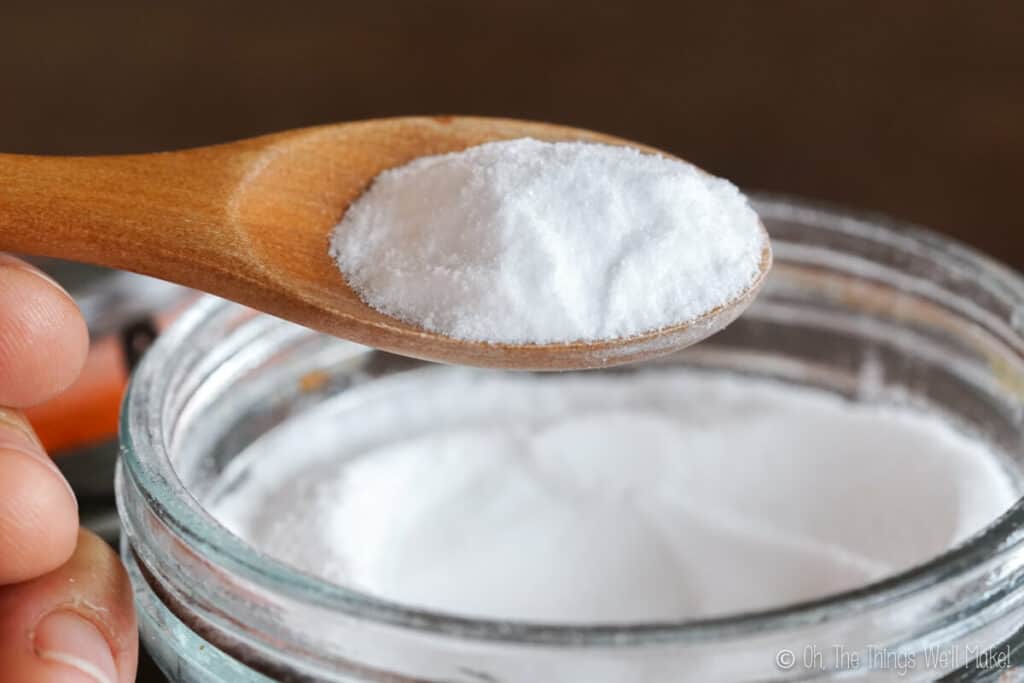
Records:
x=525, y=241
x=639, y=496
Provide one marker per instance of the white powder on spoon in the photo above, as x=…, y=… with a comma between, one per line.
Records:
x=525, y=241
x=607, y=498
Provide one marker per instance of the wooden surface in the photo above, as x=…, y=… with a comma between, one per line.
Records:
x=914, y=107
x=251, y=221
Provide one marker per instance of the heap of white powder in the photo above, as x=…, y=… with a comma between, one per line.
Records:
x=664, y=494
x=533, y=242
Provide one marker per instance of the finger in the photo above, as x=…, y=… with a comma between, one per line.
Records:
x=43, y=338
x=87, y=412
x=38, y=514
x=73, y=625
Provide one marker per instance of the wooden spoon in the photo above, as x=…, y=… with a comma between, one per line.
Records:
x=251, y=221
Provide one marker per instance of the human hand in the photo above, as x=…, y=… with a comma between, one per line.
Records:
x=66, y=612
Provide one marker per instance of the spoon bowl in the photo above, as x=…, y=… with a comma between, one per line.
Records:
x=251, y=221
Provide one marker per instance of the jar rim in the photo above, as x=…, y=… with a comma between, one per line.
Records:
x=149, y=465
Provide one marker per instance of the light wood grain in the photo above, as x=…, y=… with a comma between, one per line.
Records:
x=251, y=220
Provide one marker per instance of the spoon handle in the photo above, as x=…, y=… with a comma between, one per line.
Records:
x=158, y=214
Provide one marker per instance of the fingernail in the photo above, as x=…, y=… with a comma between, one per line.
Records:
x=16, y=435
x=16, y=427
x=72, y=641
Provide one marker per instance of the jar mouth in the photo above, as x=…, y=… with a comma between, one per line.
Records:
x=146, y=459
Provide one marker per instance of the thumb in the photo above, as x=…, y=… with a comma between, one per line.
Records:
x=75, y=624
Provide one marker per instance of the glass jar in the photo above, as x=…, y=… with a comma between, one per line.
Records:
x=855, y=305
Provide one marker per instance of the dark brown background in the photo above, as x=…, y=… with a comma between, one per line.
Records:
x=914, y=108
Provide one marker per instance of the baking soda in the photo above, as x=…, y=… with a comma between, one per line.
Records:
x=636, y=496
x=525, y=241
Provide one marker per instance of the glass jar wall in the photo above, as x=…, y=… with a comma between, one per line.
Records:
x=855, y=306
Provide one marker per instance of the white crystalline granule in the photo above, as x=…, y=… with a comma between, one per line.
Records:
x=608, y=498
x=533, y=242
